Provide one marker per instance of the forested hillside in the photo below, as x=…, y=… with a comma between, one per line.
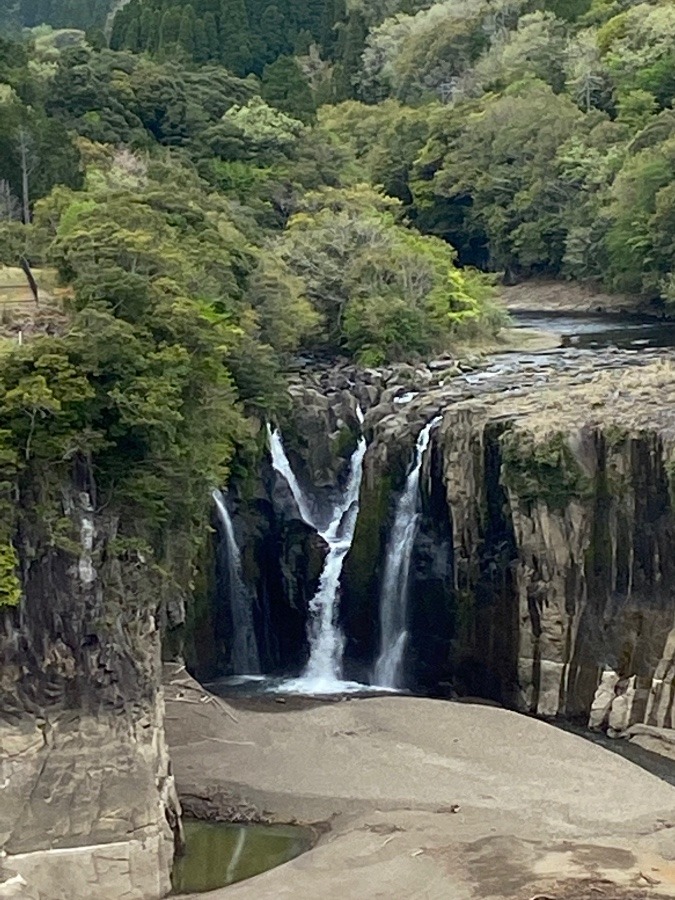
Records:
x=84, y=14
x=223, y=183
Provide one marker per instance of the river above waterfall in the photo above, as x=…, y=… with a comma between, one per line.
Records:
x=588, y=331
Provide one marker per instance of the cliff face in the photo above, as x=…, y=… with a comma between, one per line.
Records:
x=563, y=526
x=543, y=573
x=88, y=799
x=576, y=616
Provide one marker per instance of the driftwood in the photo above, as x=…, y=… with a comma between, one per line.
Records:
x=186, y=685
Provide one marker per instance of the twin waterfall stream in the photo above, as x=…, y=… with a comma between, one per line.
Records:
x=394, y=592
x=245, y=656
x=336, y=526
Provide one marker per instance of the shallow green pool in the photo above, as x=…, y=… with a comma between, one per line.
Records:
x=217, y=854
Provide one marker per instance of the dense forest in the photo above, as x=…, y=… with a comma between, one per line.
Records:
x=84, y=14
x=220, y=184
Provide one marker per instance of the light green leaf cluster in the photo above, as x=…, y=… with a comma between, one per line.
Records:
x=381, y=290
x=10, y=586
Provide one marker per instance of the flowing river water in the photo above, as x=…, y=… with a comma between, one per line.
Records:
x=593, y=332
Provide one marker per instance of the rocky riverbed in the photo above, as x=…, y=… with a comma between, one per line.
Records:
x=419, y=798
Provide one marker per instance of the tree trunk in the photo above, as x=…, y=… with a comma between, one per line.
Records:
x=23, y=151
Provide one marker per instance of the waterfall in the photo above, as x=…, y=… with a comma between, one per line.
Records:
x=282, y=465
x=395, y=582
x=245, y=657
x=324, y=668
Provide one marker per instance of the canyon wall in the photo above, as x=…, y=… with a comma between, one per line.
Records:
x=577, y=616
x=542, y=573
x=88, y=806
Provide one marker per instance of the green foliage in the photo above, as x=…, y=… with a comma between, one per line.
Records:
x=31, y=140
x=10, y=586
x=498, y=175
x=63, y=13
x=212, y=209
x=381, y=291
x=122, y=98
x=385, y=139
x=437, y=52
x=242, y=35
x=638, y=48
x=641, y=222
x=285, y=87
x=542, y=470
x=150, y=384
x=570, y=10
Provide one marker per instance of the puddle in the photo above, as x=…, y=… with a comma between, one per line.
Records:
x=219, y=854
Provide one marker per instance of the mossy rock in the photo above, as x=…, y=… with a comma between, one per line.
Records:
x=366, y=547
x=344, y=443
x=358, y=608
x=545, y=471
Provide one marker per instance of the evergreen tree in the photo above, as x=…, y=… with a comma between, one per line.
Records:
x=568, y=9
x=169, y=28
x=132, y=36
x=235, y=45
x=272, y=34
x=284, y=86
x=147, y=31
x=120, y=25
x=303, y=41
x=83, y=14
x=201, y=42
x=211, y=28
x=186, y=32
x=351, y=42
x=334, y=11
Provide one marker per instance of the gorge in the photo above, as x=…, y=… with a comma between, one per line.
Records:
x=495, y=529
x=324, y=667
x=510, y=540
x=337, y=448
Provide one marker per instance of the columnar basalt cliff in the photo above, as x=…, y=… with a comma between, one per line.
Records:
x=89, y=808
x=541, y=573
x=563, y=582
x=587, y=507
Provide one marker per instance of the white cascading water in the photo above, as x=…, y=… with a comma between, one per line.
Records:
x=245, y=656
x=324, y=668
x=394, y=591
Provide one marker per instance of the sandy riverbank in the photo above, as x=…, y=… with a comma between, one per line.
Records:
x=427, y=799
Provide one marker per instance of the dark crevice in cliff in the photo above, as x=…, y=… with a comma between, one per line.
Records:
x=431, y=623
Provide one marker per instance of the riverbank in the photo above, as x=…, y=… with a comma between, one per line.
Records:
x=543, y=295
x=458, y=800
